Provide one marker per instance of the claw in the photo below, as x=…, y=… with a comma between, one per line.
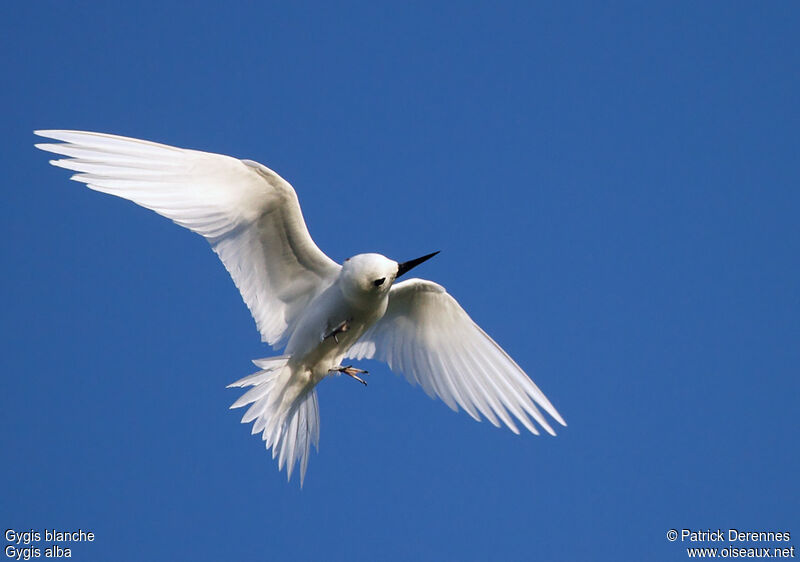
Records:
x=341, y=328
x=351, y=371
x=359, y=379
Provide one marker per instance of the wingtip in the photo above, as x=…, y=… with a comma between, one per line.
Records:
x=558, y=418
x=533, y=429
x=47, y=133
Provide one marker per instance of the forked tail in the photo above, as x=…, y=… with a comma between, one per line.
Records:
x=286, y=414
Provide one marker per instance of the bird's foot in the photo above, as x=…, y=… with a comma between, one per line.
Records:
x=351, y=371
x=340, y=329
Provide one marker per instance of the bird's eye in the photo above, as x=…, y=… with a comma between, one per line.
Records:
x=379, y=282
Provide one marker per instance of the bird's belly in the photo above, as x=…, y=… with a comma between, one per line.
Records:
x=314, y=347
x=330, y=352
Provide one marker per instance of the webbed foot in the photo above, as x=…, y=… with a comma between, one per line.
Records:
x=351, y=371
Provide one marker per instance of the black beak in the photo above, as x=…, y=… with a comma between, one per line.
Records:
x=411, y=264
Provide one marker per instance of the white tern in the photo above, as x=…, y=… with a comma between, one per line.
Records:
x=321, y=311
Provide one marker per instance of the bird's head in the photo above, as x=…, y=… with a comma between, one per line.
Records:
x=374, y=274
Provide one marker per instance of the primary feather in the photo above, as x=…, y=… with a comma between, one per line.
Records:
x=427, y=336
x=248, y=213
x=297, y=294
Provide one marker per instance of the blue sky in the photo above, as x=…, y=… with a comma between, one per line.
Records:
x=614, y=189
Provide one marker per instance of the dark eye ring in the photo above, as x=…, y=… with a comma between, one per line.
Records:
x=379, y=282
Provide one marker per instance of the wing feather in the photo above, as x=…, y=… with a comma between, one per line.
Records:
x=427, y=336
x=248, y=213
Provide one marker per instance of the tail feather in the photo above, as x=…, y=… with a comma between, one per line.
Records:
x=286, y=415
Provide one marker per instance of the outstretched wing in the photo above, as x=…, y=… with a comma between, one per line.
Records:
x=248, y=213
x=426, y=335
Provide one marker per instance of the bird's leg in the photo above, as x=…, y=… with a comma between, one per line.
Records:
x=350, y=371
x=341, y=328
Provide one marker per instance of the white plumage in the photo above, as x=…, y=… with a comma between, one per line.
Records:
x=322, y=311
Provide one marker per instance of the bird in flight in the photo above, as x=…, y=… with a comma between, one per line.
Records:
x=322, y=313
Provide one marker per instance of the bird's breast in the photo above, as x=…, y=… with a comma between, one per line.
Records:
x=330, y=325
